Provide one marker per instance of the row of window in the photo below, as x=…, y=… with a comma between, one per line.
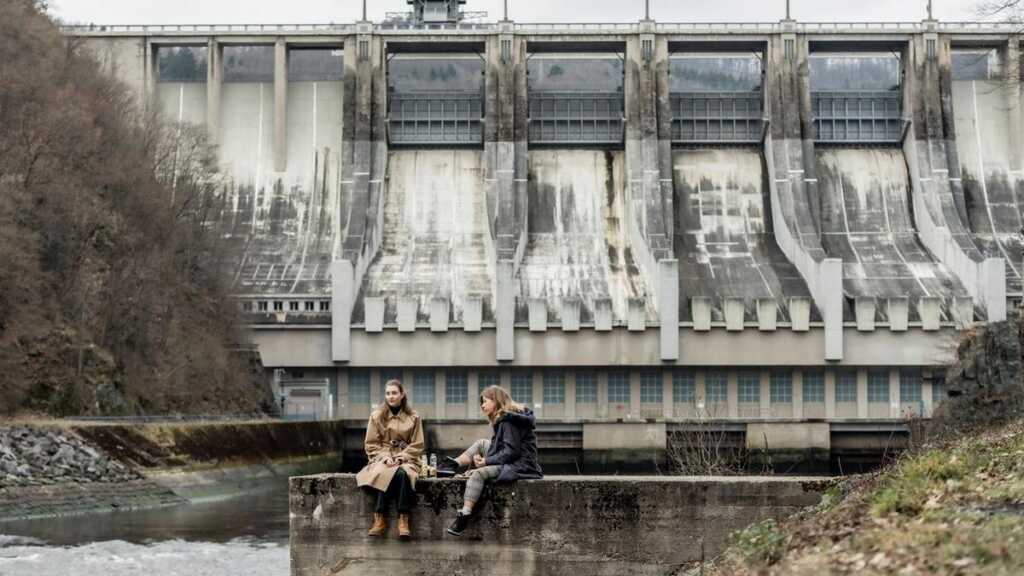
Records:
x=684, y=386
x=292, y=305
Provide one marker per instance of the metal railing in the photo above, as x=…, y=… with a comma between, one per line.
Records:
x=436, y=118
x=857, y=116
x=549, y=28
x=710, y=117
x=147, y=29
x=576, y=117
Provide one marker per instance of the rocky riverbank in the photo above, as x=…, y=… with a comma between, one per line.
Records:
x=43, y=457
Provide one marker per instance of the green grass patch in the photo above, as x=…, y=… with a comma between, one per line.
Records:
x=761, y=544
x=907, y=489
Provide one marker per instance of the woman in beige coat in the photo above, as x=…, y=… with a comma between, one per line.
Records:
x=394, y=443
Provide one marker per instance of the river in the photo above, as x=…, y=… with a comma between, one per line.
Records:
x=246, y=534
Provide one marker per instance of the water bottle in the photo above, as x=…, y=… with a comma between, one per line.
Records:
x=433, y=461
x=423, y=465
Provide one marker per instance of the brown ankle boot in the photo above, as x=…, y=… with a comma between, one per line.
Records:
x=379, y=525
x=404, y=531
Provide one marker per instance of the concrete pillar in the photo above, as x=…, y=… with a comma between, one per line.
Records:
x=472, y=402
x=830, y=394
x=280, y=105
x=341, y=409
x=668, y=308
x=667, y=401
x=766, y=407
x=700, y=392
x=214, y=79
x=1011, y=67
x=798, y=394
x=602, y=394
x=440, y=396
x=926, y=394
x=377, y=386
x=635, y=407
x=505, y=312
x=648, y=149
x=733, y=394
x=151, y=71
x=894, y=393
x=570, y=396
x=342, y=297
x=364, y=148
x=831, y=291
x=862, y=394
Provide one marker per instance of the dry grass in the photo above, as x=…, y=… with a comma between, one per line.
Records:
x=956, y=508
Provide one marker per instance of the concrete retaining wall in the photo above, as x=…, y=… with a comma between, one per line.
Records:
x=560, y=525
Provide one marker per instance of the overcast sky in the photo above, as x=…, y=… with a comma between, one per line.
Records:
x=323, y=11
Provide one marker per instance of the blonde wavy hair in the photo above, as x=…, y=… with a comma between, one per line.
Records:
x=502, y=401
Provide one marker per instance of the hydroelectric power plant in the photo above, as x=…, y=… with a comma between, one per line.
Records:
x=779, y=229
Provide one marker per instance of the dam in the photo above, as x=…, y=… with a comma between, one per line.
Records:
x=779, y=228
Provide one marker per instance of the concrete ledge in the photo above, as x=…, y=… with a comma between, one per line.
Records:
x=559, y=525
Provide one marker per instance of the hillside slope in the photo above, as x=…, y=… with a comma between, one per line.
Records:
x=110, y=295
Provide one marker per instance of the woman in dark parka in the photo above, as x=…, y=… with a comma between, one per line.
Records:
x=511, y=454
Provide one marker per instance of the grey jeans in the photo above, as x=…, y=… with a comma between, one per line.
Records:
x=477, y=477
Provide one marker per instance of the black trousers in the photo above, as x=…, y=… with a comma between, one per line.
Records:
x=400, y=490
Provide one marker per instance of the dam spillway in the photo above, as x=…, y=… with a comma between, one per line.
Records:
x=646, y=222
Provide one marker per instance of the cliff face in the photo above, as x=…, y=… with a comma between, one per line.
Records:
x=110, y=295
x=985, y=386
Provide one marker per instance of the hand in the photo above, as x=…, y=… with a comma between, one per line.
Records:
x=389, y=461
x=479, y=461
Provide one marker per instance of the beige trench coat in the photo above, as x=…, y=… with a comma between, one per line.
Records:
x=399, y=437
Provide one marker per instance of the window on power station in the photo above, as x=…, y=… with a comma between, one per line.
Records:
x=487, y=378
x=554, y=387
x=910, y=385
x=456, y=387
x=586, y=387
x=359, y=387
x=749, y=387
x=781, y=387
x=651, y=389
x=684, y=387
x=618, y=387
x=522, y=387
x=878, y=386
x=814, y=386
x=423, y=387
x=846, y=386
x=716, y=386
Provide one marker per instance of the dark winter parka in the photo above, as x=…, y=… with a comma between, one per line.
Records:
x=514, y=447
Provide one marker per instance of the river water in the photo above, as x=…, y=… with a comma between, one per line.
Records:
x=244, y=535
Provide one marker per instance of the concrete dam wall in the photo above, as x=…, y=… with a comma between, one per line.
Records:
x=282, y=225
x=723, y=233
x=867, y=222
x=807, y=239
x=992, y=179
x=436, y=240
x=577, y=239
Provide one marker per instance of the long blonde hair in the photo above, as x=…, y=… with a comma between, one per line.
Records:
x=502, y=401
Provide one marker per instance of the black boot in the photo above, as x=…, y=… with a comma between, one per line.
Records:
x=459, y=525
x=449, y=468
